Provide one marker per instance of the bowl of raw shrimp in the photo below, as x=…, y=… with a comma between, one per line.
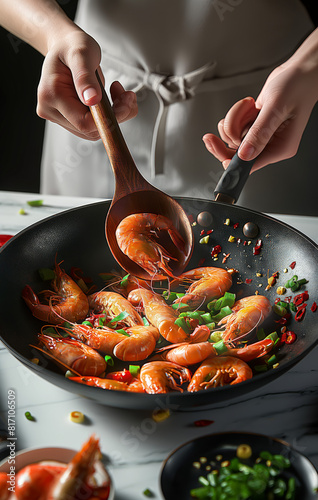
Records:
x=56, y=472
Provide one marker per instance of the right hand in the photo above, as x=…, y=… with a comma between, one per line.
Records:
x=68, y=85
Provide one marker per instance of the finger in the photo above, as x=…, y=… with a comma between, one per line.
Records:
x=217, y=147
x=268, y=121
x=224, y=136
x=124, y=102
x=238, y=120
x=58, y=118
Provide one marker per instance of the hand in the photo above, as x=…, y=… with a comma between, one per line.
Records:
x=68, y=85
x=273, y=125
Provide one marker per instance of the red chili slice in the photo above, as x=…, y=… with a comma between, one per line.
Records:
x=300, y=312
x=257, y=248
x=292, y=265
x=202, y=233
x=314, y=307
x=123, y=376
x=209, y=231
x=236, y=225
x=4, y=238
x=248, y=281
x=203, y=423
x=300, y=298
x=290, y=337
x=216, y=250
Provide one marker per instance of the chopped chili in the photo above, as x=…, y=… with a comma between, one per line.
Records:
x=258, y=246
x=202, y=233
x=123, y=376
x=300, y=312
x=314, y=307
x=216, y=250
x=4, y=238
x=290, y=337
x=209, y=231
x=292, y=265
x=300, y=298
x=203, y=423
x=236, y=225
x=248, y=281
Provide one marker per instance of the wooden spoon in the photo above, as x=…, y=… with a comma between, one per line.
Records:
x=133, y=194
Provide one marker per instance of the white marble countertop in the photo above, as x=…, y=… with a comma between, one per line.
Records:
x=136, y=445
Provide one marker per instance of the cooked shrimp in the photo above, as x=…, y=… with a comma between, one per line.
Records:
x=139, y=345
x=111, y=385
x=69, y=303
x=74, y=480
x=163, y=316
x=136, y=238
x=78, y=357
x=4, y=491
x=190, y=354
x=219, y=371
x=210, y=283
x=158, y=377
x=248, y=313
x=35, y=480
x=114, y=303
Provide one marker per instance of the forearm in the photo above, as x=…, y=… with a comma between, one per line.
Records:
x=306, y=57
x=38, y=22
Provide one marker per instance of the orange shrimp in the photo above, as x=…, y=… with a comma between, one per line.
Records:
x=4, y=491
x=139, y=345
x=163, y=316
x=75, y=479
x=35, y=480
x=136, y=238
x=114, y=303
x=210, y=283
x=69, y=303
x=111, y=385
x=247, y=313
x=77, y=356
x=190, y=354
x=218, y=371
x=159, y=377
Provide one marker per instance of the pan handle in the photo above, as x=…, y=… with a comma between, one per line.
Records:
x=232, y=181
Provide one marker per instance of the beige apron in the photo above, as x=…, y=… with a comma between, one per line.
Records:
x=188, y=61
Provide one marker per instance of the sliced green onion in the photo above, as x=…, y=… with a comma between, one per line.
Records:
x=134, y=370
x=225, y=311
x=101, y=321
x=123, y=332
x=22, y=211
x=120, y=317
x=261, y=334
x=180, y=305
x=145, y=321
x=261, y=368
x=273, y=336
x=148, y=493
x=124, y=281
x=220, y=347
x=29, y=416
x=46, y=274
x=272, y=360
x=87, y=323
x=169, y=296
x=207, y=318
x=210, y=326
x=216, y=336
x=35, y=203
x=182, y=323
x=203, y=481
x=109, y=360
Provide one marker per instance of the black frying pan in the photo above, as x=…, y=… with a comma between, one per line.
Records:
x=77, y=237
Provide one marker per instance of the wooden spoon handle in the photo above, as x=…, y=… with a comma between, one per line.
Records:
x=128, y=178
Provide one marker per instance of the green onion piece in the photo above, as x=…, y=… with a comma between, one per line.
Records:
x=35, y=203
x=201, y=492
x=134, y=370
x=211, y=326
x=207, y=318
x=101, y=321
x=123, y=332
x=169, y=296
x=29, y=416
x=87, y=323
x=118, y=318
x=145, y=321
x=49, y=331
x=109, y=360
x=106, y=276
x=292, y=307
x=180, y=305
x=280, y=310
x=216, y=336
x=228, y=299
x=180, y=295
x=220, y=347
x=291, y=487
x=225, y=311
x=203, y=481
x=22, y=212
x=46, y=274
x=273, y=336
x=182, y=323
x=272, y=360
x=124, y=281
x=148, y=493
x=210, y=305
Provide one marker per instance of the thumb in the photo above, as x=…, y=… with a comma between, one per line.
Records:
x=83, y=63
x=260, y=133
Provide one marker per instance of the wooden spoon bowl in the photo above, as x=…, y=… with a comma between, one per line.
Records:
x=133, y=194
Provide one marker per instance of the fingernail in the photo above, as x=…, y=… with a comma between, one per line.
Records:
x=88, y=94
x=246, y=151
